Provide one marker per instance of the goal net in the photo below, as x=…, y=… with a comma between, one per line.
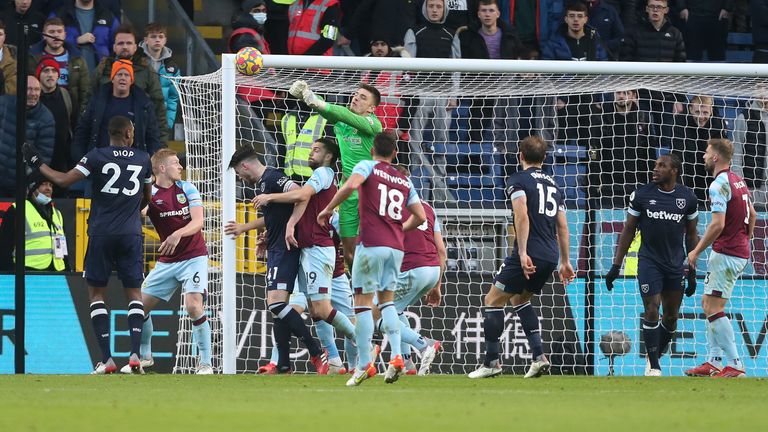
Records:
x=458, y=124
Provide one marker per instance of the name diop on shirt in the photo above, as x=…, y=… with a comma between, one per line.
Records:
x=664, y=215
x=182, y=212
x=390, y=177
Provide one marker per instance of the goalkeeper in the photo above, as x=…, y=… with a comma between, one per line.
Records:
x=354, y=128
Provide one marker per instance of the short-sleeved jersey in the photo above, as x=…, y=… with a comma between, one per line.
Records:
x=276, y=215
x=419, y=245
x=663, y=217
x=544, y=200
x=118, y=175
x=383, y=196
x=729, y=195
x=308, y=232
x=169, y=211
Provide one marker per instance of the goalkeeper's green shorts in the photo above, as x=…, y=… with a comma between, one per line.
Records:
x=349, y=220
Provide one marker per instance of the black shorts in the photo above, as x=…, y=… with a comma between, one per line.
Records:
x=653, y=280
x=124, y=253
x=282, y=269
x=511, y=279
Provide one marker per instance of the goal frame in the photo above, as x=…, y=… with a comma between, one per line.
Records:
x=228, y=131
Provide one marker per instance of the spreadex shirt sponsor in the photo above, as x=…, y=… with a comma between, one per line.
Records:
x=663, y=219
x=169, y=211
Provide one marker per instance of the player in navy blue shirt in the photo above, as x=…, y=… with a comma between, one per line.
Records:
x=666, y=214
x=541, y=242
x=282, y=262
x=121, y=178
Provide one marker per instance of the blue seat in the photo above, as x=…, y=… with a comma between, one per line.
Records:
x=567, y=176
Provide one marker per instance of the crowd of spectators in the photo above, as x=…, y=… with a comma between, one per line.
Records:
x=646, y=122
x=85, y=66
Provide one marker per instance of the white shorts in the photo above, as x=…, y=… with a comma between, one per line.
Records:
x=298, y=298
x=316, y=271
x=414, y=284
x=375, y=269
x=191, y=274
x=722, y=273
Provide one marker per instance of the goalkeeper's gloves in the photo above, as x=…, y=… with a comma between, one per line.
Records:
x=691, y=288
x=613, y=273
x=31, y=155
x=297, y=88
x=310, y=98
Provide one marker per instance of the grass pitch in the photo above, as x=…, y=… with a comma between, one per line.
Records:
x=433, y=403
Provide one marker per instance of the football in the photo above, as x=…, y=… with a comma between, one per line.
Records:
x=249, y=61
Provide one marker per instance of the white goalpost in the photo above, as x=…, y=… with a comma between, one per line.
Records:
x=458, y=124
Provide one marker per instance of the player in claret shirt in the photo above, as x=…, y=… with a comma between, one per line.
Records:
x=666, y=214
x=176, y=211
x=318, y=253
x=729, y=232
x=282, y=262
x=114, y=229
x=384, y=192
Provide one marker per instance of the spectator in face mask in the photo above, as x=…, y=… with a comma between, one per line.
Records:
x=46, y=245
x=248, y=27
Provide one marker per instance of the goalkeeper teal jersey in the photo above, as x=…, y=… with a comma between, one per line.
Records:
x=354, y=134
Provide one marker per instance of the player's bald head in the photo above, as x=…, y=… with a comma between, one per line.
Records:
x=534, y=149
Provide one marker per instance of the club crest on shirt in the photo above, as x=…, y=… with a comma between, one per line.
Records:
x=680, y=203
x=181, y=198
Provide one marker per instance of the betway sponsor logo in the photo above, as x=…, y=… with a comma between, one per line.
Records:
x=663, y=215
x=390, y=177
x=182, y=212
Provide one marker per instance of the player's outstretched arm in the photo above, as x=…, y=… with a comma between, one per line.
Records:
x=303, y=193
x=625, y=241
x=564, y=244
x=364, y=124
x=715, y=227
x=522, y=229
x=418, y=216
x=353, y=182
x=234, y=229
x=32, y=158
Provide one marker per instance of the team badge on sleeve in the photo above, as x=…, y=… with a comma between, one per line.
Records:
x=181, y=198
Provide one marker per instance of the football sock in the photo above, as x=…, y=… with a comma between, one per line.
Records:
x=275, y=357
x=410, y=338
x=530, y=322
x=665, y=337
x=651, y=336
x=391, y=324
x=100, y=321
x=327, y=338
x=282, y=335
x=135, y=323
x=201, y=332
x=350, y=350
x=493, y=326
x=341, y=323
x=146, y=337
x=405, y=347
x=363, y=335
x=714, y=352
x=725, y=338
x=293, y=321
